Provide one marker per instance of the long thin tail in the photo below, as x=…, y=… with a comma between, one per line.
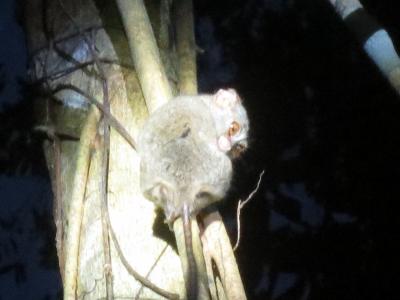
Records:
x=191, y=272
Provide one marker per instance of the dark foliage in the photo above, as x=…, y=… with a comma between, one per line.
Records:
x=325, y=120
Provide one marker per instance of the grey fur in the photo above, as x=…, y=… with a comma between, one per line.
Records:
x=185, y=164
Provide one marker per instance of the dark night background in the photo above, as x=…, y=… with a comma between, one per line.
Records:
x=325, y=128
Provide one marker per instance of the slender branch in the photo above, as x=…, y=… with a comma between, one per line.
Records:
x=67, y=71
x=152, y=268
x=136, y=275
x=104, y=161
x=76, y=205
x=63, y=39
x=112, y=120
x=144, y=53
x=104, y=200
x=186, y=48
x=219, y=251
x=58, y=209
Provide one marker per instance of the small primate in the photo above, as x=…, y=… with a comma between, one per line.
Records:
x=186, y=147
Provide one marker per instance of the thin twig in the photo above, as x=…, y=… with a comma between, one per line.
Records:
x=63, y=39
x=76, y=206
x=152, y=268
x=51, y=132
x=104, y=161
x=241, y=204
x=58, y=209
x=58, y=74
x=143, y=280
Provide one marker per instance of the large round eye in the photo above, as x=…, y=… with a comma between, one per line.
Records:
x=234, y=128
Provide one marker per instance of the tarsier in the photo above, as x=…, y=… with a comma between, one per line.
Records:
x=186, y=147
